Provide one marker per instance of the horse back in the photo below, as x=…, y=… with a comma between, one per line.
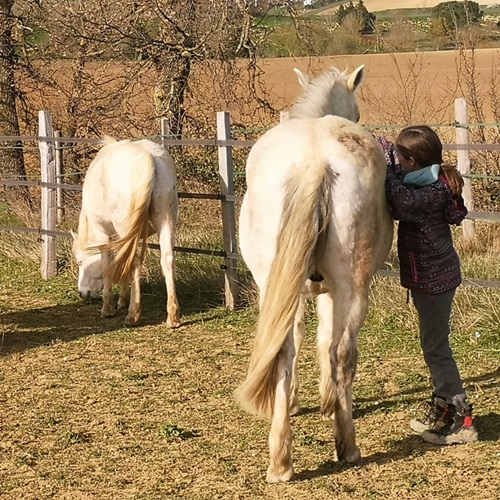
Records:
x=358, y=224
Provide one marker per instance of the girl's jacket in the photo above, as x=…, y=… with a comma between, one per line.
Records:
x=428, y=261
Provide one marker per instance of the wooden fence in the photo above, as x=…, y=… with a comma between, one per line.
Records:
x=51, y=185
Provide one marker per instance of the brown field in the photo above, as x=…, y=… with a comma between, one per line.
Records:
x=398, y=88
x=378, y=5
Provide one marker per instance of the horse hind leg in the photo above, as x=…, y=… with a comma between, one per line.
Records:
x=134, y=309
x=280, y=436
x=327, y=389
x=353, y=308
x=124, y=298
x=166, y=238
x=298, y=337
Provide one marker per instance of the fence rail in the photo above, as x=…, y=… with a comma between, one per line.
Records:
x=51, y=187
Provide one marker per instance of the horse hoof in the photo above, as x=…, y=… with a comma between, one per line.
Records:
x=353, y=456
x=173, y=323
x=131, y=321
x=279, y=474
x=108, y=313
x=294, y=409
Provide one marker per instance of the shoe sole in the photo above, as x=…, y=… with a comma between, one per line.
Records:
x=462, y=437
x=418, y=427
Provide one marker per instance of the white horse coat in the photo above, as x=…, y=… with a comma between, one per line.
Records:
x=314, y=220
x=129, y=192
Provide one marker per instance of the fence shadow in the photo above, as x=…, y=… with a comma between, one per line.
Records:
x=31, y=328
x=25, y=329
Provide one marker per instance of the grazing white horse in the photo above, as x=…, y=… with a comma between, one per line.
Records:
x=129, y=192
x=314, y=221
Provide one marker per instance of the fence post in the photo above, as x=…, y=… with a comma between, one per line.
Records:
x=48, y=265
x=58, y=174
x=165, y=132
x=228, y=212
x=463, y=161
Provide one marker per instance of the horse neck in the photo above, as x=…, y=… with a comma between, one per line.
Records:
x=311, y=106
x=327, y=96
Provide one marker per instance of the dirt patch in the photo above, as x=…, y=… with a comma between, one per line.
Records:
x=92, y=410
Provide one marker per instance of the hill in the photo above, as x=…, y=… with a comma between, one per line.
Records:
x=379, y=5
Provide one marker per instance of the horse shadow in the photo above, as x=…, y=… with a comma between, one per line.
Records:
x=488, y=427
x=27, y=329
x=31, y=328
x=419, y=393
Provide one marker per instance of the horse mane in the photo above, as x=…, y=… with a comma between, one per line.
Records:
x=316, y=98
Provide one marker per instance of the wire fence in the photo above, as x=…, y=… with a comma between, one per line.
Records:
x=52, y=184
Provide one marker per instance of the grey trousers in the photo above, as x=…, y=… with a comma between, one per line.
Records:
x=434, y=314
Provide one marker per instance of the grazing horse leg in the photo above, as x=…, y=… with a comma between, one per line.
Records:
x=108, y=302
x=280, y=435
x=124, y=298
x=350, y=308
x=134, y=309
x=327, y=389
x=298, y=336
x=166, y=238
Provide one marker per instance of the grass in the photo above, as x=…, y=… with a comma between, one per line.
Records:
x=91, y=409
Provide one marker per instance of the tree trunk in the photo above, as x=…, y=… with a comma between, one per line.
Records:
x=11, y=153
x=171, y=89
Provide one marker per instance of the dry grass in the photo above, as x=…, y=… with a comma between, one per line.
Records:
x=93, y=410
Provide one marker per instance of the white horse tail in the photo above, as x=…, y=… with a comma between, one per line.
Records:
x=80, y=239
x=304, y=219
x=124, y=249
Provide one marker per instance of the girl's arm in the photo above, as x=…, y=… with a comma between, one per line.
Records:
x=413, y=205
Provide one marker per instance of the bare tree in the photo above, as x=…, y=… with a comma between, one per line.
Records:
x=11, y=155
x=131, y=60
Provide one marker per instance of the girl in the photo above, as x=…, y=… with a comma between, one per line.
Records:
x=424, y=194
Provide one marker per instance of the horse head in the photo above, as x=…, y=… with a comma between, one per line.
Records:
x=90, y=270
x=331, y=93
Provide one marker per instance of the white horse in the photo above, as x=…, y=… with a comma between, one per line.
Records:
x=129, y=192
x=314, y=221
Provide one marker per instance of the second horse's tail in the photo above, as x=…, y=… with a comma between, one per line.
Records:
x=124, y=249
x=304, y=218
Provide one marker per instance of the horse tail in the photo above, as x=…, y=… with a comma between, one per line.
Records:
x=124, y=249
x=80, y=239
x=304, y=219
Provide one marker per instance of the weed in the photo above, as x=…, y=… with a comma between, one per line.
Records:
x=71, y=438
x=174, y=432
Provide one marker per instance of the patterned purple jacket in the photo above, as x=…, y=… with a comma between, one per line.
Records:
x=428, y=261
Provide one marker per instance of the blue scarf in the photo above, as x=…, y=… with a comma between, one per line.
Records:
x=422, y=177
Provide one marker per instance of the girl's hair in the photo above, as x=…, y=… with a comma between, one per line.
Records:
x=423, y=145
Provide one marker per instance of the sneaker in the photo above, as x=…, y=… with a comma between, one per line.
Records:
x=434, y=415
x=459, y=428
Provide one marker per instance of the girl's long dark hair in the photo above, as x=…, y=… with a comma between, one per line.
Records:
x=422, y=144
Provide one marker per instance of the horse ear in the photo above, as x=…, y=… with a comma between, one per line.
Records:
x=355, y=78
x=303, y=79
